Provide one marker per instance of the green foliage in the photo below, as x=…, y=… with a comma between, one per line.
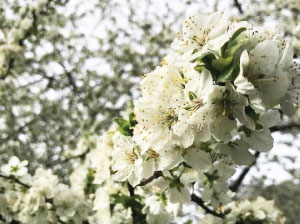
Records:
x=126, y=127
x=205, y=61
x=90, y=187
x=211, y=177
x=227, y=67
x=135, y=203
x=237, y=40
x=246, y=130
x=251, y=113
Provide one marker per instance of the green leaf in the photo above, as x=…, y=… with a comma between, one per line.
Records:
x=204, y=57
x=133, y=202
x=247, y=131
x=124, y=126
x=238, y=32
x=230, y=74
x=221, y=64
x=235, y=45
x=120, y=121
x=199, y=68
x=90, y=187
x=207, y=58
x=251, y=113
x=236, y=41
x=205, y=61
x=189, y=222
x=258, y=126
x=131, y=105
x=132, y=119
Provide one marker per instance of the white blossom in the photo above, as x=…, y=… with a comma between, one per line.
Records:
x=15, y=167
x=126, y=160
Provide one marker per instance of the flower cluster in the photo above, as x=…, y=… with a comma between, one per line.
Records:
x=38, y=198
x=90, y=197
x=213, y=100
x=204, y=111
x=259, y=210
x=93, y=196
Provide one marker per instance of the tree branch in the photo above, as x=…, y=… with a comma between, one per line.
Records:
x=70, y=79
x=67, y=159
x=235, y=186
x=201, y=203
x=12, y=178
x=239, y=7
x=285, y=127
x=133, y=212
x=146, y=181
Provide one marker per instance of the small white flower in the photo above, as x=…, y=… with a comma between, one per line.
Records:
x=259, y=210
x=156, y=203
x=15, y=167
x=32, y=201
x=127, y=160
x=214, y=183
x=263, y=76
x=176, y=191
x=14, y=199
x=261, y=139
x=197, y=158
x=162, y=217
x=45, y=182
x=201, y=29
x=292, y=96
x=238, y=151
x=168, y=158
x=66, y=201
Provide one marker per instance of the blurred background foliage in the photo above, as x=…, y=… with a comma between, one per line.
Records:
x=78, y=62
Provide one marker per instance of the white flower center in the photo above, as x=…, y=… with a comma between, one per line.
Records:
x=131, y=157
x=152, y=154
x=169, y=119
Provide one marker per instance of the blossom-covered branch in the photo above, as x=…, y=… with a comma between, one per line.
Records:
x=254, y=211
x=15, y=38
x=213, y=98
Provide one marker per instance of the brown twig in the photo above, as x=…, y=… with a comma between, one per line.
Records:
x=201, y=203
x=133, y=212
x=67, y=159
x=285, y=127
x=239, y=7
x=282, y=128
x=146, y=181
x=236, y=184
x=14, y=179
